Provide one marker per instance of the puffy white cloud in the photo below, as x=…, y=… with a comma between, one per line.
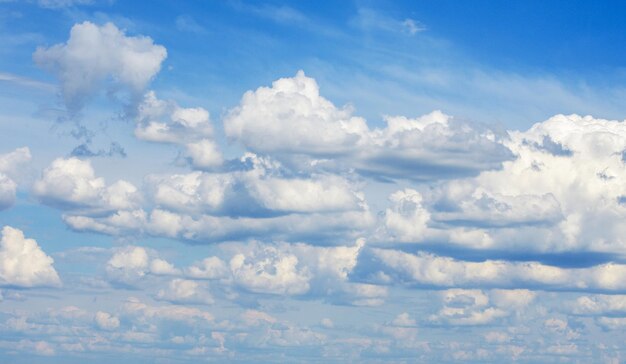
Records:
x=95, y=54
x=295, y=269
x=259, y=187
x=166, y=122
x=7, y=191
x=466, y=307
x=562, y=192
x=208, y=268
x=163, y=267
x=10, y=166
x=292, y=118
x=270, y=271
x=23, y=263
x=185, y=291
x=204, y=154
x=106, y=321
x=209, y=228
x=130, y=263
x=323, y=193
x=163, y=121
x=71, y=184
x=431, y=270
x=407, y=219
x=600, y=305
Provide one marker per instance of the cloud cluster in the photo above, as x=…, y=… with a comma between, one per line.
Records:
x=292, y=119
x=96, y=55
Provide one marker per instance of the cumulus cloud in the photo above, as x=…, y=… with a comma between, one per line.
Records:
x=292, y=118
x=10, y=166
x=184, y=291
x=560, y=193
x=426, y=269
x=23, y=263
x=301, y=270
x=165, y=122
x=130, y=263
x=270, y=271
x=71, y=184
x=106, y=321
x=100, y=56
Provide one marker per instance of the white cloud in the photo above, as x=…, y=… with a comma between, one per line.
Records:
x=600, y=305
x=429, y=269
x=163, y=267
x=291, y=118
x=11, y=165
x=269, y=270
x=208, y=268
x=466, y=307
x=166, y=122
x=71, y=184
x=204, y=154
x=185, y=291
x=93, y=54
x=23, y=263
x=106, y=321
x=130, y=263
x=131, y=258
x=135, y=307
x=7, y=192
x=407, y=219
x=562, y=192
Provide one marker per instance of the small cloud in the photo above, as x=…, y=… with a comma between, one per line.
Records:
x=186, y=23
x=83, y=150
x=413, y=26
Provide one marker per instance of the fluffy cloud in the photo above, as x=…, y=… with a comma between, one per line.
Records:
x=130, y=263
x=185, y=291
x=94, y=54
x=23, y=263
x=430, y=270
x=301, y=270
x=106, y=321
x=163, y=121
x=71, y=184
x=270, y=271
x=292, y=118
x=256, y=199
x=10, y=165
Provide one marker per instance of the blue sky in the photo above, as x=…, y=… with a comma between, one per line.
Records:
x=237, y=181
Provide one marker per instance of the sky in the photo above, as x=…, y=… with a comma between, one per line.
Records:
x=355, y=181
